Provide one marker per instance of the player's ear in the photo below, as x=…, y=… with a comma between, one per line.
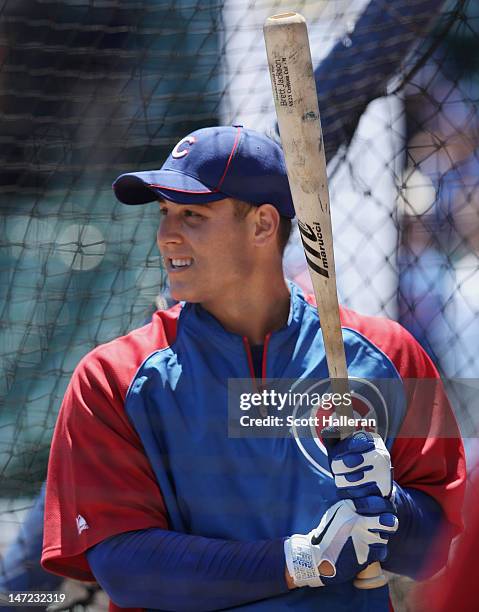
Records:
x=266, y=224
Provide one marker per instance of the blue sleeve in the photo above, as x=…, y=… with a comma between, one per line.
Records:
x=420, y=520
x=186, y=572
x=359, y=67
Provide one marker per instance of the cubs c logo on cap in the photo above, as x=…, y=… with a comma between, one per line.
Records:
x=176, y=153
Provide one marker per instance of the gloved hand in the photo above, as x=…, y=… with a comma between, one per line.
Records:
x=361, y=466
x=343, y=544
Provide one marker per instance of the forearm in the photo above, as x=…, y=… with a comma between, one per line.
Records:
x=420, y=520
x=186, y=572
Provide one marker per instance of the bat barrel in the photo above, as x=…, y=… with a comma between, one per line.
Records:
x=285, y=18
x=296, y=102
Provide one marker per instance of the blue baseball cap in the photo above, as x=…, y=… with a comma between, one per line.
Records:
x=212, y=164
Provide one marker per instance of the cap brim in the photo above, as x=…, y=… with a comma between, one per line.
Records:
x=144, y=187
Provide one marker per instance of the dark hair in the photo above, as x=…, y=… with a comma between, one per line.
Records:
x=241, y=209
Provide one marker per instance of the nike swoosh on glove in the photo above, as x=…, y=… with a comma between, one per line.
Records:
x=361, y=466
x=346, y=540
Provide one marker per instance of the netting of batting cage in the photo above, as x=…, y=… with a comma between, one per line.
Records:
x=90, y=89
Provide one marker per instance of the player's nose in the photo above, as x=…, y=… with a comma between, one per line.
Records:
x=169, y=231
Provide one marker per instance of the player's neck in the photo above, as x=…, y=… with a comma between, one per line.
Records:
x=260, y=307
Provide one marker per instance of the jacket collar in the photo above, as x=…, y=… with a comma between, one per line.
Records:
x=194, y=319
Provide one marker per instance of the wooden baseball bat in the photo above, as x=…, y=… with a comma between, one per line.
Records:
x=296, y=102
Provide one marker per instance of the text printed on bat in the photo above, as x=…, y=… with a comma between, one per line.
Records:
x=312, y=234
x=281, y=82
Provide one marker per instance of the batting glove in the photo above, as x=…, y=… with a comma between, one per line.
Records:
x=344, y=542
x=361, y=466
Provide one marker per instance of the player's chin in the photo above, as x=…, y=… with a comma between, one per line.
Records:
x=183, y=292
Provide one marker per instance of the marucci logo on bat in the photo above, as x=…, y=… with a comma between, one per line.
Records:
x=314, y=235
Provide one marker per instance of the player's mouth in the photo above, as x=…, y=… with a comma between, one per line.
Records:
x=179, y=263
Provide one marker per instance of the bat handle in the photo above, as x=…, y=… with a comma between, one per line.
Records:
x=372, y=577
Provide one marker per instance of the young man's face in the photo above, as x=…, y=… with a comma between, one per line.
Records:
x=207, y=250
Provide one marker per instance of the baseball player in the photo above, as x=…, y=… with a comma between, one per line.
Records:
x=340, y=113
x=146, y=492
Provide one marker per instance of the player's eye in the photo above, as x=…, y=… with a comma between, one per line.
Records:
x=192, y=213
x=163, y=211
